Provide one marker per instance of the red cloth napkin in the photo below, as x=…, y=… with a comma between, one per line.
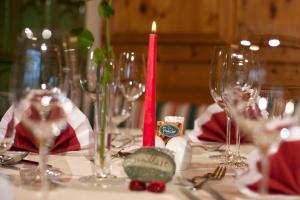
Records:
x=212, y=126
x=284, y=170
x=74, y=136
x=24, y=140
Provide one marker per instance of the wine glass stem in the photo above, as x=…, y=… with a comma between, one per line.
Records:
x=96, y=122
x=265, y=174
x=228, y=133
x=131, y=120
x=43, y=151
x=238, y=141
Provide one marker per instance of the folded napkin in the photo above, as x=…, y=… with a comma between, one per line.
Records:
x=75, y=135
x=284, y=177
x=211, y=126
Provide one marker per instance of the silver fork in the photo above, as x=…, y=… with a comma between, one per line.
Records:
x=218, y=174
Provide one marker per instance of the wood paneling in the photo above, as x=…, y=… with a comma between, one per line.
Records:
x=279, y=17
x=189, y=30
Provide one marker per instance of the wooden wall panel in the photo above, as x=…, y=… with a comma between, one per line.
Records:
x=278, y=17
x=172, y=16
x=187, y=33
x=189, y=30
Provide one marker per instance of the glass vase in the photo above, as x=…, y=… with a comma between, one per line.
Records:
x=102, y=135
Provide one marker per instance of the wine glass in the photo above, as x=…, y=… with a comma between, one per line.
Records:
x=40, y=106
x=240, y=67
x=132, y=78
x=271, y=113
x=217, y=69
x=119, y=112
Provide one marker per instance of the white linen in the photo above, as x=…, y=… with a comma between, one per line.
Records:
x=202, y=119
x=75, y=118
x=77, y=165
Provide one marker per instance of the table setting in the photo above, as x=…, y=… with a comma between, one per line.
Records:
x=243, y=146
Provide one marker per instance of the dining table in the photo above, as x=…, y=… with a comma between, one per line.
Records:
x=77, y=164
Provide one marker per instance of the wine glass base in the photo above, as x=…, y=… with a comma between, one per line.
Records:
x=121, y=141
x=226, y=157
x=239, y=162
x=31, y=176
x=101, y=182
x=240, y=165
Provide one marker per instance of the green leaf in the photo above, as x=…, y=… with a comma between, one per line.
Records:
x=105, y=10
x=106, y=75
x=99, y=55
x=85, y=38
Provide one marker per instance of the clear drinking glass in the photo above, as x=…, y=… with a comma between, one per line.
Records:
x=40, y=106
x=268, y=115
x=240, y=66
x=132, y=78
x=119, y=110
x=217, y=69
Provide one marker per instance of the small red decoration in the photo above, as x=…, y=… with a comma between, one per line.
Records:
x=136, y=185
x=156, y=187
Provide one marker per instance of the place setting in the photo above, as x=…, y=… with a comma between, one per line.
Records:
x=83, y=116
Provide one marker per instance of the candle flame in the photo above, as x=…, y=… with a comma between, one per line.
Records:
x=153, y=26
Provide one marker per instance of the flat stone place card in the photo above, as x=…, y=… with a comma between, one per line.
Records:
x=149, y=164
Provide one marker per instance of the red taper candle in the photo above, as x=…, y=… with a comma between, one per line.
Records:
x=150, y=94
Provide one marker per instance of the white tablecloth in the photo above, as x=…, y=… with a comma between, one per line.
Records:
x=77, y=165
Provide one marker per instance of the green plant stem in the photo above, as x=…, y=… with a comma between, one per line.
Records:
x=103, y=122
x=105, y=91
x=107, y=36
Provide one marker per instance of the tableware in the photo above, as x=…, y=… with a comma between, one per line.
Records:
x=119, y=112
x=132, y=78
x=240, y=66
x=11, y=160
x=218, y=66
x=209, y=146
x=265, y=115
x=39, y=103
x=103, y=129
x=218, y=174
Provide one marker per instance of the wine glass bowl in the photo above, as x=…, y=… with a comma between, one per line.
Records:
x=88, y=74
x=132, y=77
x=43, y=113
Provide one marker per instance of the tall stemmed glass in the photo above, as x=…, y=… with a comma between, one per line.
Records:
x=240, y=66
x=263, y=115
x=119, y=112
x=40, y=106
x=217, y=69
x=132, y=78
